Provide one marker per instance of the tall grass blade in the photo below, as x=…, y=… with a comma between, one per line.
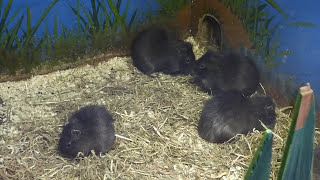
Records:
x=300, y=24
x=255, y=20
x=277, y=7
x=14, y=33
x=81, y=19
x=55, y=27
x=36, y=26
x=262, y=7
x=5, y=16
x=124, y=15
x=114, y=9
x=107, y=16
x=282, y=53
x=89, y=20
x=28, y=34
x=132, y=20
x=119, y=5
x=13, y=16
x=94, y=14
x=77, y=12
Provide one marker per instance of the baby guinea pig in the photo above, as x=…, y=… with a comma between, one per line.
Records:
x=226, y=71
x=230, y=113
x=156, y=50
x=90, y=128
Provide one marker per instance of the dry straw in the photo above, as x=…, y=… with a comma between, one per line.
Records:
x=155, y=120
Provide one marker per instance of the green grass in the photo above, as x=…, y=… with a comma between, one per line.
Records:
x=19, y=53
x=8, y=55
x=98, y=29
x=104, y=28
x=167, y=11
x=170, y=8
x=31, y=47
x=256, y=20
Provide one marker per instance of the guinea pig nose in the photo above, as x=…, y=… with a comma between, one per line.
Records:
x=193, y=72
x=69, y=145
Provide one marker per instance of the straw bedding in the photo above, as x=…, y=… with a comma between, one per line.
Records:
x=155, y=121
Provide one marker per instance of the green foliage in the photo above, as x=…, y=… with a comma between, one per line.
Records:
x=31, y=47
x=98, y=28
x=20, y=53
x=8, y=56
x=256, y=20
x=103, y=27
x=277, y=7
x=269, y=57
x=305, y=24
x=168, y=10
x=9, y=59
x=5, y=35
x=66, y=47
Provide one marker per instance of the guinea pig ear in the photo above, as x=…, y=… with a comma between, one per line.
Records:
x=76, y=132
x=66, y=123
x=188, y=60
x=188, y=45
x=269, y=107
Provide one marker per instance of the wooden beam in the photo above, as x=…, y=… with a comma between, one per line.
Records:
x=306, y=101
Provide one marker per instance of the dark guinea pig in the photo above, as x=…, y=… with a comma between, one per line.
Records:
x=230, y=113
x=157, y=50
x=90, y=128
x=216, y=72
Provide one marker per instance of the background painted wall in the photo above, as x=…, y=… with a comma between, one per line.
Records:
x=304, y=64
x=65, y=14
x=304, y=41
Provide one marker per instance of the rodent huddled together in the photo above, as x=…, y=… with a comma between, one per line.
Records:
x=232, y=78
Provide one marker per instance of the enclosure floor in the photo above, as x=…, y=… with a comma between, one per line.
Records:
x=155, y=121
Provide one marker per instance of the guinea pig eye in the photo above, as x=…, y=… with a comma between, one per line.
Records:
x=269, y=108
x=201, y=66
x=188, y=60
x=75, y=132
x=69, y=145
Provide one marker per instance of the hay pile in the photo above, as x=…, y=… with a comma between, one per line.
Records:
x=155, y=122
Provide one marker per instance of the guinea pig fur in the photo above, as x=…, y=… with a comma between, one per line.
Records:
x=90, y=128
x=156, y=50
x=230, y=113
x=216, y=72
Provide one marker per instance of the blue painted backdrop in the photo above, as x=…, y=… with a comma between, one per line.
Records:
x=64, y=12
x=304, y=64
x=305, y=41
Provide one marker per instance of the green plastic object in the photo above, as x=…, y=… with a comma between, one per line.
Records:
x=297, y=159
x=259, y=168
